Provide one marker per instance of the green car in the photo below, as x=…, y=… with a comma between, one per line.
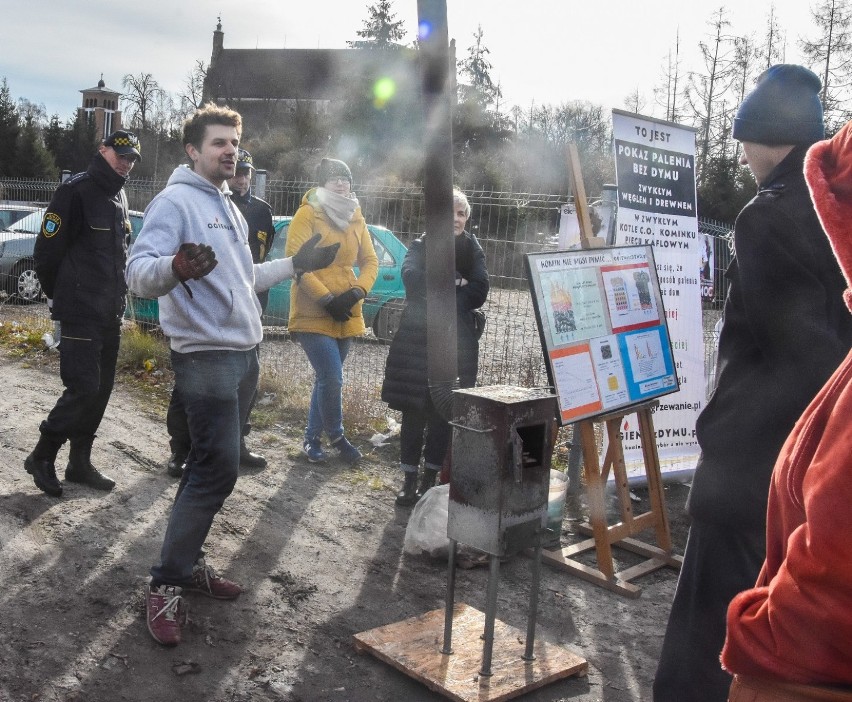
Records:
x=382, y=306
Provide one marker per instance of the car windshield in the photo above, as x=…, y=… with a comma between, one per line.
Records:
x=31, y=224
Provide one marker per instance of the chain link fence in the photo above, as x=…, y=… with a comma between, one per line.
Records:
x=508, y=225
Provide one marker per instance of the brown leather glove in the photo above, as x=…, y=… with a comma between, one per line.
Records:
x=193, y=261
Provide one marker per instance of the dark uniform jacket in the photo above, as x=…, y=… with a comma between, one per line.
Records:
x=406, y=383
x=258, y=214
x=786, y=329
x=81, y=250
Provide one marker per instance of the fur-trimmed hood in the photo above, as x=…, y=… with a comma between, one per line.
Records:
x=828, y=172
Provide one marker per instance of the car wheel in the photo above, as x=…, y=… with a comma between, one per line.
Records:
x=386, y=321
x=25, y=286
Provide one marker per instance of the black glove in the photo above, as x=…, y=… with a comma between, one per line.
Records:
x=311, y=258
x=341, y=304
x=193, y=261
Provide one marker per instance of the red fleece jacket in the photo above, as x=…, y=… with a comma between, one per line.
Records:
x=796, y=623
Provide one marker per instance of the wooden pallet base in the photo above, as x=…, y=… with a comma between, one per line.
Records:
x=620, y=581
x=413, y=646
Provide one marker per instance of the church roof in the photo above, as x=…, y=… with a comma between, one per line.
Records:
x=312, y=74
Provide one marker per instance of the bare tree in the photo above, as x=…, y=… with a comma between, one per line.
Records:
x=705, y=89
x=830, y=55
x=667, y=95
x=141, y=96
x=772, y=49
x=635, y=101
x=192, y=95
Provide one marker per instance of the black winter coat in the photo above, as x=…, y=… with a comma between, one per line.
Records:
x=261, y=230
x=786, y=329
x=81, y=251
x=406, y=383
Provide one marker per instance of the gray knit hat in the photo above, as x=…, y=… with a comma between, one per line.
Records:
x=783, y=108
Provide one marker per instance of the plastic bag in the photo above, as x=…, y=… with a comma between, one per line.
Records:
x=427, y=526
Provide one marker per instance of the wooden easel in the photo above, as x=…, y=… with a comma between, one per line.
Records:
x=604, y=535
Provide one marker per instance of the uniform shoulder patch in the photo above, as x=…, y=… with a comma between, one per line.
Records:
x=50, y=224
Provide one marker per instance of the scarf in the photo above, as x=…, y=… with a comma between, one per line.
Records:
x=339, y=208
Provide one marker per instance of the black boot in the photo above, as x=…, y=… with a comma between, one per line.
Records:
x=249, y=459
x=175, y=465
x=41, y=465
x=80, y=468
x=427, y=480
x=408, y=495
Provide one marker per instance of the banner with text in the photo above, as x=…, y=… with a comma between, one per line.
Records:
x=655, y=170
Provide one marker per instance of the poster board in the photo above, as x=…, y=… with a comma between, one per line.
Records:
x=657, y=205
x=603, y=328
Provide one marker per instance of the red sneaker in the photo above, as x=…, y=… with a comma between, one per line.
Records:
x=207, y=582
x=166, y=613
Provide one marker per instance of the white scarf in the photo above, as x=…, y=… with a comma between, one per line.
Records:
x=339, y=208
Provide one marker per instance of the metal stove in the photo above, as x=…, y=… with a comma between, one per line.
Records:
x=502, y=447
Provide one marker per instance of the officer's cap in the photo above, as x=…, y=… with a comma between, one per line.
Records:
x=124, y=143
x=244, y=159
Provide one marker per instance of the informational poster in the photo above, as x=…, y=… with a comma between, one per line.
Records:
x=603, y=327
x=655, y=169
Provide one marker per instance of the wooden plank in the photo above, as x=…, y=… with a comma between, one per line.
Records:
x=413, y=646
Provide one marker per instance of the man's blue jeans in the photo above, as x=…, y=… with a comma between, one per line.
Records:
x=216, y=388
x=326, y=355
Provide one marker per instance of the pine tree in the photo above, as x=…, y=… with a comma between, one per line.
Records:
x=10, y=127
x=33, y=159
x=380, y=30
x=480, y=88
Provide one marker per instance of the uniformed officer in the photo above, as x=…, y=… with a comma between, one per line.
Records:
x=258, y=215
x=80, y=256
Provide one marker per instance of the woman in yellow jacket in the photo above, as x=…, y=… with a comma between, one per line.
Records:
x=325, y=305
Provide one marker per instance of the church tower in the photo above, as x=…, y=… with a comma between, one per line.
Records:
x=101, y=105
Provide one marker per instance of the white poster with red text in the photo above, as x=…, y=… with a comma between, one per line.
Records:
x=655, y=170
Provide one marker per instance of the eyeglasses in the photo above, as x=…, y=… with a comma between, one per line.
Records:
x=337, y=180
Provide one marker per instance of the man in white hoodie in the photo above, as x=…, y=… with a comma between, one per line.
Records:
x=193, y=254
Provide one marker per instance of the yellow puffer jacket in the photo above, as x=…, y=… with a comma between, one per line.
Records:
x=356, y=249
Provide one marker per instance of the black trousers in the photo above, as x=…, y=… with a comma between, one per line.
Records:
x=438, y=435
x=719, y=562
x=87, y=358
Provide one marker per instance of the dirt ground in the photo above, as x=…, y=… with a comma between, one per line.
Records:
x=319, y=550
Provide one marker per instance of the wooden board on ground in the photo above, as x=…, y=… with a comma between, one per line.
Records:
x=413, y=646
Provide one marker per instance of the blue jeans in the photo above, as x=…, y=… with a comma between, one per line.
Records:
x=216, y=389
x=326, y=355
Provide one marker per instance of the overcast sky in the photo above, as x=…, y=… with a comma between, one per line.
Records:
x=542, y=51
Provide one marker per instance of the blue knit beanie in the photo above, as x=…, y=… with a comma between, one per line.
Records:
x=783, y=108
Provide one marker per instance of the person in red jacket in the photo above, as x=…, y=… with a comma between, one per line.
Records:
x=795, y=625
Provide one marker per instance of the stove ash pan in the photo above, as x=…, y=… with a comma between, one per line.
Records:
x=502, y=448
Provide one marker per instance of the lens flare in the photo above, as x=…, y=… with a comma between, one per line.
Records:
x=383, y=90
x=424, y=29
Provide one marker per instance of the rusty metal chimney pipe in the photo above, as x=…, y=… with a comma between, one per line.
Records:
x=438, y=196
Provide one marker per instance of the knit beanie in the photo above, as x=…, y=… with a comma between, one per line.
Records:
x=332, y=168
x=783, y=108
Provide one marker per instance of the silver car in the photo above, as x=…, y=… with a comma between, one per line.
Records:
x=18, y=279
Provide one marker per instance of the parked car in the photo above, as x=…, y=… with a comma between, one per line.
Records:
x=9, y=214
x=382, y=306
x=17, y=267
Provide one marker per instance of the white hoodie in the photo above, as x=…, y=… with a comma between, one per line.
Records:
x=223, y=312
